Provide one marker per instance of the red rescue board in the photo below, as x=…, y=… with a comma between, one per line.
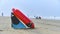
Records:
x=23, y=18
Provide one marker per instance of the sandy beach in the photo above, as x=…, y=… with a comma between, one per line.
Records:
x=42, y=26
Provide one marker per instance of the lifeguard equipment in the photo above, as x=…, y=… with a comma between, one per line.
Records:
x=21, y=18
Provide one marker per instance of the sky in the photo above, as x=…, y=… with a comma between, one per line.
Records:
x=31, y=7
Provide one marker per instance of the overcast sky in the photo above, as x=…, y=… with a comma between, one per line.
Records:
x=31, y=7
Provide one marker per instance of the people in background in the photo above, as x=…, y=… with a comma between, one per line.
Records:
x=2, y=13
x=37, y=17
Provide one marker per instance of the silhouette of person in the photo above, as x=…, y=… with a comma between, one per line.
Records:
x=2, y=14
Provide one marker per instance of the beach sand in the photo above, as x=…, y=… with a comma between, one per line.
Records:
x=42, y=26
